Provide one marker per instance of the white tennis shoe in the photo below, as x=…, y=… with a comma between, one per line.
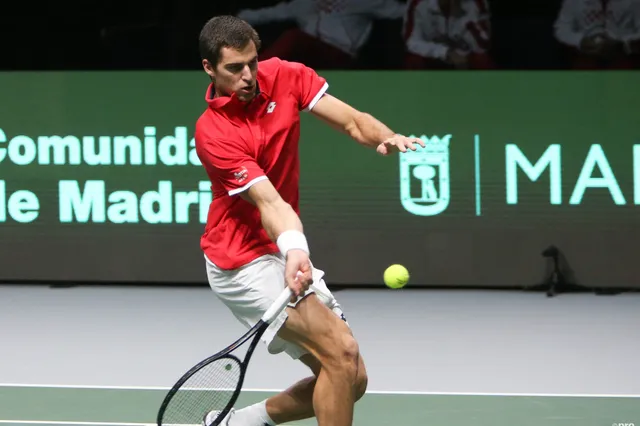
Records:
x=212, y=415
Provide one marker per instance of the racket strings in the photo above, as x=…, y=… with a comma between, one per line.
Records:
x=210, y=389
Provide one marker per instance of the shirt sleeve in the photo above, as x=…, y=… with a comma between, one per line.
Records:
x=564, y=27
x=309, y=86
x=387, y=9
x=232, y=165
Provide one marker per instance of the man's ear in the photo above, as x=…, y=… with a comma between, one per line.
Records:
x=208, y=68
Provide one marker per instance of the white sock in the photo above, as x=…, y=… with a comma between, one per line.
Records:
x=253, y=415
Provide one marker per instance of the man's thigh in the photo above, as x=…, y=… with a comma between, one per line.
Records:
x=251, y=289
x=325, y=336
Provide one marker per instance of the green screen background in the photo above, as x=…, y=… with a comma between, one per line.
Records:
x=350, y=196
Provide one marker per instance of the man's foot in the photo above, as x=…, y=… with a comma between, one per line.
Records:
x=253, y=415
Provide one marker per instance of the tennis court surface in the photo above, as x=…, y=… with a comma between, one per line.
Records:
x=111, y=406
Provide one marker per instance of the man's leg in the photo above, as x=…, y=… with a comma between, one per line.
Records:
x=314, y=327
x=296, y=403
x=247, y=292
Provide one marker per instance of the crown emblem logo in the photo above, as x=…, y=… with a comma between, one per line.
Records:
x=424, y=177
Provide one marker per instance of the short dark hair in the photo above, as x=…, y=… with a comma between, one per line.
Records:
x=225, y=31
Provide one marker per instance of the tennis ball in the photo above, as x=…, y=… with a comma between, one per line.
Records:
x=396, y=276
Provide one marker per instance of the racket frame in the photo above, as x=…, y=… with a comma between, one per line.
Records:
x=256, y=332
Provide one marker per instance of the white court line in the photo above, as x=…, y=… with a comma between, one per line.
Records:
x=46, y=422
x=374, y=392
x=57, y=422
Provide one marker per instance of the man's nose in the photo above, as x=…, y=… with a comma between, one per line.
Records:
x=246, y=73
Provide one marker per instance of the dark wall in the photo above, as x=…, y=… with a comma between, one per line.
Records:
x=146, y=34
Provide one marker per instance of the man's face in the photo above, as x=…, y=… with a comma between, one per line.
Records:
x=236, y=72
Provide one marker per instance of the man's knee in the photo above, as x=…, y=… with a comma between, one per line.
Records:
x=342, y=351
x=362, y=380
x=345, y=359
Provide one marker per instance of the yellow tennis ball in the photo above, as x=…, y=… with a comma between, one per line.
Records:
x=396, y=276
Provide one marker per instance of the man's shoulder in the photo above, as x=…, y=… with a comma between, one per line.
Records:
x=211, y=126
x=271, y=66
x=274, y=68
x=205, y=124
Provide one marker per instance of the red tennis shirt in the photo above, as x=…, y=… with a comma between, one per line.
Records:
x=241, y=143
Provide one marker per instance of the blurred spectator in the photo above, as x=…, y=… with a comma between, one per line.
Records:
x=600, y=34
x=447, y=34
x=329, y=33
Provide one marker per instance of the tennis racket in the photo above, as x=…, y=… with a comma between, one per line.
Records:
x=214, y=384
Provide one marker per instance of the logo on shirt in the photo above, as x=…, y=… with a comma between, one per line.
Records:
x=241, y=175
x=424, y=177
x=271, y=107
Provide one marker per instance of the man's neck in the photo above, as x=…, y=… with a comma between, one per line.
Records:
x=217, y=93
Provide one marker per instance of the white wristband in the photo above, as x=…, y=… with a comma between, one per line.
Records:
x=290, y=240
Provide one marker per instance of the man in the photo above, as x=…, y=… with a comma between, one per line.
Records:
x=328, y=34
x=447, y=34
x=600, y=34
x=254, y=245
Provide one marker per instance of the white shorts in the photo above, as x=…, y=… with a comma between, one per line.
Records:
x=249, y=291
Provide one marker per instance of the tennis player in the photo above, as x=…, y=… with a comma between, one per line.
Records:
x=254, y=243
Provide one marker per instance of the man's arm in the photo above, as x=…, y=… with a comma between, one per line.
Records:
x=276, y=214
x=233, y=165
x=240, y=175
x=283, y=226
x=361, y=126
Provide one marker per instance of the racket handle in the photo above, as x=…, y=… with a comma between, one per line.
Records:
x=278, y=306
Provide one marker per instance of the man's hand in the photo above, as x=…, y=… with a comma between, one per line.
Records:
x=398, y=143
x=297, y=272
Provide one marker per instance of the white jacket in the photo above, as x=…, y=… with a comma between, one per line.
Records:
x=345, y=24
x=428, y=32
x=579, y=18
